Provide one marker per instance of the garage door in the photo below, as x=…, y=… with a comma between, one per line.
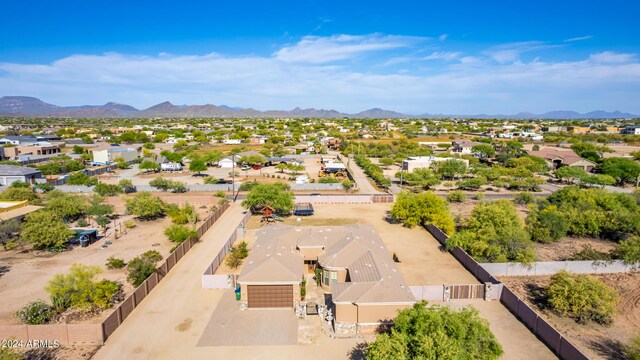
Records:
x=270, y=296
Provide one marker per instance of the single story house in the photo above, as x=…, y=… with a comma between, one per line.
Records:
x=463, y=146
x=11, y=173
x=367, y=290
x=556, y=158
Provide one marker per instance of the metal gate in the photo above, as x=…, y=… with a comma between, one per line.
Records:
x=472, y=291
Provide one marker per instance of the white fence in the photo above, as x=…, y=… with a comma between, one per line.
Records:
x=552, y=267
x=217, y=282
x=329, y=199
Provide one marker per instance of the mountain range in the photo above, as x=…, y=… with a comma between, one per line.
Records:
x=24, y=106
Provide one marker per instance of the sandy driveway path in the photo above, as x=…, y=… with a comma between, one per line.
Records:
x=176, y=311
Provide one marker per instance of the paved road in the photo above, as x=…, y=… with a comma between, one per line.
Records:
x=176, y=312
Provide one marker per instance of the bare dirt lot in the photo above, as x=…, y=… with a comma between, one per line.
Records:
x=595, y=341
x=568, y=246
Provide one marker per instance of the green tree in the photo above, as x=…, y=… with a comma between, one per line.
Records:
x=451, y=168
x=127, y=186
x=148, y=165
x=107, y=189
x=139, y=269
x=387, y=161
x=494, y=232
x=484, y=150
x=546, y=225
x=146, y=206
x=436, y=332
x=282, y=167
x=570, y=173
x=161, y=183
x=582, y=297
x=424, y=178
x=198, y=165
x=277, y=195
x=598, y=179
x=81, y=178
x=622, y=169
x=67, y=207
x=45, y=230
x=423, y=209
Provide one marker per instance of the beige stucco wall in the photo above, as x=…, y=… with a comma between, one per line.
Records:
x=346, y=313
x=378, y=313
x=311, y=253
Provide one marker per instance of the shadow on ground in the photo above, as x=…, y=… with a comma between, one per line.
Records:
x=608, y=348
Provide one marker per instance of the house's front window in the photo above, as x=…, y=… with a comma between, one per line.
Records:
x=325, y=277
x=334, y=277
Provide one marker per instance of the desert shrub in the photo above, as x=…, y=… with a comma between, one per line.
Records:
x=233, y=260
x=523, y=198
x=179, y=233
x=9, y=353
x=182, y=215
x=178, y=187
x=494, y=232
x=78, y=288
x=423, y=209
x=20, y=184
x=589, y=253
x=35, y=313
x=152, y=255
x=129, y=224
x=629, y=250
x=479, y=196
x=348, y=184
x=107, y=189
x=435, y=332
x=21, y=194
x=248, y=185
x=582, y=297
x=209, y=180
x=115, y=263
x=328, y=180
x=220, y=194
x=139, y=269
x=242, y=250
x=81, y=178
x=473, y=183
x=160, y=183
x=633, y=349
x=456, y=196
x=546, y=225
x=82, y=222
x=46, y=187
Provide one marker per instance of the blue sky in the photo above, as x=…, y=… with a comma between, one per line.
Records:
x=461, y=58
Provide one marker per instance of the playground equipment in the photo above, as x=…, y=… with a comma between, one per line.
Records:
x=269, y=216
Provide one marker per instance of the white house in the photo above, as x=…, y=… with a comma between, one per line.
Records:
x=229, y=162
x=425, y=162
x=110, y=154
x=631, y=130
x=232, y=141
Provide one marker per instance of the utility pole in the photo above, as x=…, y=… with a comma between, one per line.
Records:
x=233, y=177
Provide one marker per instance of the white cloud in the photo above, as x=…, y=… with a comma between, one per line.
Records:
x=319, y=50
x=510, y=52
x=579, y=38
x=443, y=55
x=471, y=85
x=609, y=57
x=443, y=37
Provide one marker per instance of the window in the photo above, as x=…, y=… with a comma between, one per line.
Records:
x=325, y=277
x=334, y=277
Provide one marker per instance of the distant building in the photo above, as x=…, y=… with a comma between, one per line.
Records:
x=554, y=129
x=631, y=130
x=109, y=154
x=425, y=162
x=463, y=146
x=556, y=158
x=11, y=173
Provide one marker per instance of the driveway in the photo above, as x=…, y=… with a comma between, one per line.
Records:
x=230, y=326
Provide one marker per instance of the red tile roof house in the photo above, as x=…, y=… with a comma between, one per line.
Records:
x=367, y=290
x=556, y=158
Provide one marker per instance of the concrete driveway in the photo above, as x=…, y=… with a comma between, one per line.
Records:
x=229, y=326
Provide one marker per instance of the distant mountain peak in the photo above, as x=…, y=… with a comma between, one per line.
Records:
x=33, y=107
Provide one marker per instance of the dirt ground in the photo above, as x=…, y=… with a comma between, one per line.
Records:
x=595, y=341
x=30, y=271
x=568, y=246
x=465, y=208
